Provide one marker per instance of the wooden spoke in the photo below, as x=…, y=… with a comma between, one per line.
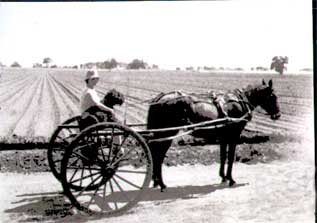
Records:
x=85, y=177
x=131, y=171
x=92, y=197
x=74, y=168
x=89, y=185
x=121, y=189
x=82, y=177
x=102, y=153
x=74, y=162
x=75, y=172
x=111, y=188
x=111, y=143
x=123, y=157
x=128, y=182
x=116, y=155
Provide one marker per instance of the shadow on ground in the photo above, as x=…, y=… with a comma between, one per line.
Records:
x=41, y=207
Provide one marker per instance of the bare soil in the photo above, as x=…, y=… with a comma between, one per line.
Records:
x=275, y=183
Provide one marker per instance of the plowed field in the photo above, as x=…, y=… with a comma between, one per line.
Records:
x=34, y=101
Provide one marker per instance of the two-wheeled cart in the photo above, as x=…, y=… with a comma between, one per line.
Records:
x=105, y=168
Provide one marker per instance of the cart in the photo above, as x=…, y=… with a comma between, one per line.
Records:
x=106, y=168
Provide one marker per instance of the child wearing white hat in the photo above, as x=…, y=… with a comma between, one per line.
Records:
x=90, y=96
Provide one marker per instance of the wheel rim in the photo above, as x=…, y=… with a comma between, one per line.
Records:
x=112, y=179
x=59, y=142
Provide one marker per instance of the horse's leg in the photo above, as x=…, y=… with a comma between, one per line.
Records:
x=156, y=164
x=164, y=146
x=158, y=155
x=159, y=177
x=231, y=156
x=223, y=158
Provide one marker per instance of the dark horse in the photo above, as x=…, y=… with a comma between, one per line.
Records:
x=177, y=109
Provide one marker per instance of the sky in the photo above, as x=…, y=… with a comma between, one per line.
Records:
x=236, y=33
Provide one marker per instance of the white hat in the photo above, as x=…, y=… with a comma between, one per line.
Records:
x=91, y=74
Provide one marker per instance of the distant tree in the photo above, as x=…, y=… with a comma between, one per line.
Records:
x=209, y=68
x=137, y=64
x=154, y=66
x=37, y=65
x=190, y=68
x=260, y=68
x=106, y=64
x=53, y=66
x=47, y=61
x=307, y=69
x=110, y=64
x=278, y=64
x=178, y=68
x=113, y=63
x=89, y=65
x=15, y=64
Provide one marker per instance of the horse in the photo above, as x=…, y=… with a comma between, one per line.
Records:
x=96, y=115
x=177, y=109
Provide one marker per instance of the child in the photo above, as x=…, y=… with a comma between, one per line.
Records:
x=90, y=97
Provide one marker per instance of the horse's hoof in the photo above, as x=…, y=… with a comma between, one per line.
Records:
x=231, y=183
x=163, y=187
x=155, y=184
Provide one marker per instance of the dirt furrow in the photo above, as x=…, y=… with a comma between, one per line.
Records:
x=75, y=98
x=284, y=124
x=10, y=90
x=45, y=120
x=11, y=114
x=65, y=105
x=25, y=123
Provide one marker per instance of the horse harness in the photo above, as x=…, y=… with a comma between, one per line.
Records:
x=219, y=100
x=244, y=102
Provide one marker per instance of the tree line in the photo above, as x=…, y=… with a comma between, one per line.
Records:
x=108, y=64
x=278, y=64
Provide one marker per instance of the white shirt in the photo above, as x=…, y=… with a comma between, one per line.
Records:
x=89, y=98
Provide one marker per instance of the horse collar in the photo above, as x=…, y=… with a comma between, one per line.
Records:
x=245, y=103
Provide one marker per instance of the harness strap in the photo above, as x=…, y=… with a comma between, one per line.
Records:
x=244, y=102
x=161, y=95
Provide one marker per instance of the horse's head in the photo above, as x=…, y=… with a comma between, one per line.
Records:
x=267, y=100
x=112, y=98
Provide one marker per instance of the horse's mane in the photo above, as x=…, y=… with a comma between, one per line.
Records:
x=254, y=89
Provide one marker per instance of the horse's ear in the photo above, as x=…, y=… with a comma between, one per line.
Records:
x=263, y=82
x=271, y=83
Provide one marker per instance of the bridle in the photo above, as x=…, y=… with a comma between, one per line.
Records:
x=246, y=103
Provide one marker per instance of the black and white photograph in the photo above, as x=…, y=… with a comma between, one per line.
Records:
x=157, y=111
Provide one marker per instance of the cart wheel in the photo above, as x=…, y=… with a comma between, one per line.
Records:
x=106, y=168
x=58, y=143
